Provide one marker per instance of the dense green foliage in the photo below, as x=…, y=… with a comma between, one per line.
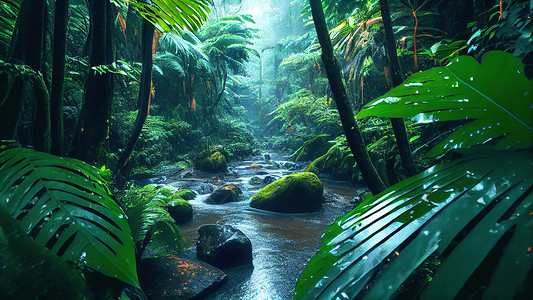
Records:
x=66, y=207
x=232, y=79
x=416, y=238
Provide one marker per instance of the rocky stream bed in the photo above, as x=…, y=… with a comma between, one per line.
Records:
x=282, y=243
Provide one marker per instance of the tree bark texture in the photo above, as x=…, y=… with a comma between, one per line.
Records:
x=27, y=40
x=98, y=94
x=144, y=95
x=398, y=126
x=351, y=129
x=10, y=102
x=58, y=75
x=41, y=125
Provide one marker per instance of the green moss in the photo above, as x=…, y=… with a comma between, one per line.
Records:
x=141, y=172
x=186, y=194
x=299, y=192
x=167, y=192
x=180, y=210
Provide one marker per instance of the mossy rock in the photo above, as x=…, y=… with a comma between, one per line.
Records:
x=215, y=163
x=186, y=194
x=167, y=192
x=141, y=173
x=255, y=180
x=180, y=211
x=295, y=193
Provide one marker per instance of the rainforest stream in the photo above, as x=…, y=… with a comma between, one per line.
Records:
x=281, y=243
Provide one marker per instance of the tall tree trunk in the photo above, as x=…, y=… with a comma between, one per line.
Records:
x=351, y=129
x=27, y=40
x=398, y=125
x=58, y=75
x=41, y=123
x=144, y=95
x=27, y=47
x=98, y=94
x=10, y=104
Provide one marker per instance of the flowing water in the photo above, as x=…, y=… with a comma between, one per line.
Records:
x=282, y=243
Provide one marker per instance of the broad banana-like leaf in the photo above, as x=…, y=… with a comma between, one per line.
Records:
x=458, y=230
x=66, y=207
x=495, y=93
x=173, y=15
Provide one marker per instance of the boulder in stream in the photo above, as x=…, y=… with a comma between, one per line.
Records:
x=223, y=246
x=186, y=194
x=174, y=277
x=180, y=211
x=295, y=193
x=225, y=194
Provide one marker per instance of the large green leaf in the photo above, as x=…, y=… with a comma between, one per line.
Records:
x=66, y=207
x=173, y=15
x=451, y=232
x=495, y=93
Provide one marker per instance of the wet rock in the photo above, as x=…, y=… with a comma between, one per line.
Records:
x=267, y=156
x=200, y=188
x=295, y=193
x=186, y=194
x=173, y=277
x=223, y=246
x=255, y=180
x=269, y=179
x=255, y=166
x=213, y=159
x=225, y=194
x=272, y=165
x=180, y=211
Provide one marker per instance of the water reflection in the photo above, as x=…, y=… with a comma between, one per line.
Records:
x=281, y=243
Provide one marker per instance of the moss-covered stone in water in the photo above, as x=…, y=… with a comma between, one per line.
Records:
x=299, y=192
x=186, y=194
x=167, y=192
x=219, y=162
x=180, y=211
x=215, y=163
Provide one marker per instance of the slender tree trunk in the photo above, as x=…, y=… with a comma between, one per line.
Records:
x=351, y=129
x=98, y=95
x=10, y=103
x=27, y=47
x=41, y=124
x=58, y=75
x=27, y=40
x=144, y=95
x=398, y=125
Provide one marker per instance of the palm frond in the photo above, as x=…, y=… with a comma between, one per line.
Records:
x=444, y=233
x=174, y=43
x=174, y=15
x=66, y=207
x=495, y=93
